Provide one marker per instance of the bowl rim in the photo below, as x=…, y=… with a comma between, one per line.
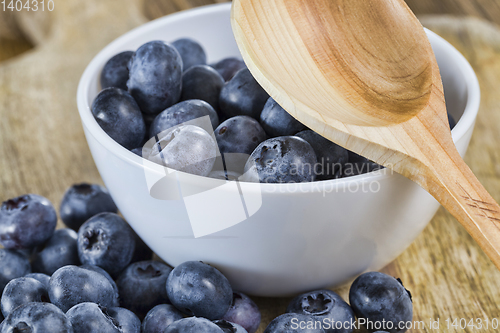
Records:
x=465, y=122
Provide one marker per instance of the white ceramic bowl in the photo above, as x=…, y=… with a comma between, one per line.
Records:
x=297, y=237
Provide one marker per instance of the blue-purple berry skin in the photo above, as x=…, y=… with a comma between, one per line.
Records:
x=277, y=122
x=228, y=327
x=379, y=297
x=71, y=285
x=37, y=318
x=240, y=134
x=290, y=323
x=21, y=291
x=107, y=241
x=325, y=306
x=242, y=96
x=89, y=317
x=115, y=71
x=181, y=113
x=198, y=289
x=285, y=159
x=228, y=67
x=331, y=157
x=244, y=312
x=142, y=286
x=60, y=250
x=12, y=265
x=108, y=277
x=26, y=221
x=191, y=52
x=142, y=251
x=82, y=201
x=118, y=114
x=40, y=277
x=193, y=325
x=160, y=317
x=127, y=321
x=202, y=82
x=155, y=77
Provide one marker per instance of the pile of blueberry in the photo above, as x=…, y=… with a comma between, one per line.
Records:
x=98, y=276
x=149, y=95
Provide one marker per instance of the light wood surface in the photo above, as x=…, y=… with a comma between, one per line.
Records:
x=43, y=150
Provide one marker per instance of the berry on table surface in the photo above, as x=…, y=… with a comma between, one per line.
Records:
x=294, y=323
x=244, y=312
x=185, y=148
x=115, y=71
x=277, y=122
x=242, y=96
x=285, y=159
x=37, y=318
x=82, y=201
x=191, y=52
x=228, y=327
x=180, y=113
x=26, y=221
x=118, y=114
x=202, y=82
x=107, y=241
x=155, y=77
x=60, y=250
x=71, y=285
x=193, y=325
x=228, y=67
x=198, y=289
x=159, y=317
x=21, y=291
x=142, y=286
x=326, y=306
x=379, y=297
x=13, y=264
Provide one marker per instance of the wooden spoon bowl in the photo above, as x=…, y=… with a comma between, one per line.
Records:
x=362, y=74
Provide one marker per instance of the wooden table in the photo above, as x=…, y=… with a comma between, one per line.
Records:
x=43, y=150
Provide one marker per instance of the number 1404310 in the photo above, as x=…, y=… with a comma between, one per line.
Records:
x=27, y=5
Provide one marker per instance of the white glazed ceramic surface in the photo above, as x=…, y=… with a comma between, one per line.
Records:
x=297, y=238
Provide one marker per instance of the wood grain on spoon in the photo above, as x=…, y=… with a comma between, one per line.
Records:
x=362, y=73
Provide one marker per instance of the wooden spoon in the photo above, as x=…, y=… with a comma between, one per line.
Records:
x=362, y=74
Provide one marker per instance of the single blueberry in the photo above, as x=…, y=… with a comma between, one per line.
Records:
x=159, y=317
x=107, y=241
x=115, y=71
x=331, y=157
x=118, y=114
x=294, y=323
x=26, y=221
x=202, y=82
x=183, y=112
x=358, y=165
x=127, y=321
x=82, y=201
x=155, y=78
x=228, y=67
x=451, y=121
x=285, y=159
x=378, y=297
x=21, y=291
x=60, y=250
x=101, y=271
x=193, y=325
x=192, y=53
x=240, y=134
x=327, y=307
x=199, y=289
x=142, y=286
x=228, y=327
x=12, y=265
x=244, y=312
x=37, y=318
x=277, y=122
x=40, y=277
x=242, y=96
x=71, y=285
x=89, y=317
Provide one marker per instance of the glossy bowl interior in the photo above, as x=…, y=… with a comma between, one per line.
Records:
x=269, y=240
